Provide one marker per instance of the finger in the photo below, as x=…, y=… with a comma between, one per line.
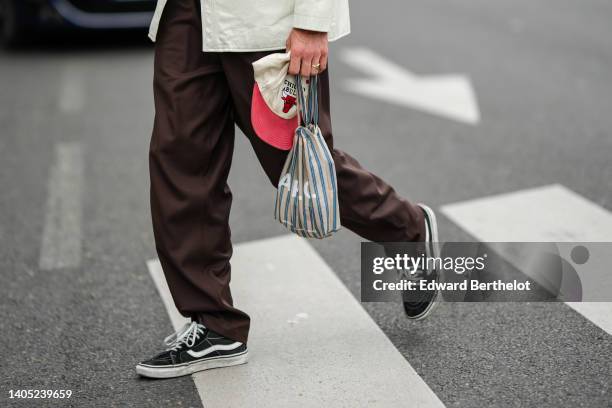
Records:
x=323, y=62
x=306, y=66
x=288, y=43
x=316, y=64
x=294, y=64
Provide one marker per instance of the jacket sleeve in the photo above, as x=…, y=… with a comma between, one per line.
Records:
x=314, y=15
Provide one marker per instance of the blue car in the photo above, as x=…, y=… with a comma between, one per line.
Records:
x=20, y=17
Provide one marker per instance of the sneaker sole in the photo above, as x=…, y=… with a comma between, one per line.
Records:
x=190, y=368
x=434, y=251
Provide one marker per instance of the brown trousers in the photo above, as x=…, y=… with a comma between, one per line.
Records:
x=199, y=98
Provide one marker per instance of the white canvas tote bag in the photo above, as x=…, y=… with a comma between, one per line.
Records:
x=307, y=195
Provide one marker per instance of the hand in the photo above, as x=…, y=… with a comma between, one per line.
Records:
x=308, y=48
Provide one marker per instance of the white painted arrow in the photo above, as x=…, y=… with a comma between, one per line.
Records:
x=451, y=96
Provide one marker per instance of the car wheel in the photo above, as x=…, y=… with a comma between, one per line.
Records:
x=12, y=30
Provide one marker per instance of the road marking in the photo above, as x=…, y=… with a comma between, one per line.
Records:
x=550, y=213
x=337, y=356
x=177, y=320
x=157, y=274
x=61, y=240
x=450, y=96
x=72, y=89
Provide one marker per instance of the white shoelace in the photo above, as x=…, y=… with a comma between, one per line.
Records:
x=187, y=335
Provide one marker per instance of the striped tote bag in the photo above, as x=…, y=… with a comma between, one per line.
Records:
x=307, y=194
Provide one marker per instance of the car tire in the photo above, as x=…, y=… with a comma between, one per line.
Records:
x=12, y=31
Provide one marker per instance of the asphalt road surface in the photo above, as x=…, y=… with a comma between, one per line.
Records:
x=75, y=122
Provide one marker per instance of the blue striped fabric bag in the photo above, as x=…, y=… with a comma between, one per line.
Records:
x=307, y=195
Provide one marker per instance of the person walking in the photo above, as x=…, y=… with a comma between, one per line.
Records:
x=203, y=87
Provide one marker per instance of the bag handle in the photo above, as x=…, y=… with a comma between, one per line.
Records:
x=308, y=108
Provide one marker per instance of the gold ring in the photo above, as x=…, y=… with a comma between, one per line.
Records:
x=316, y=66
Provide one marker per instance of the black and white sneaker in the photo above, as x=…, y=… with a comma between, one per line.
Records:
x=420, y=306
x=191, y=349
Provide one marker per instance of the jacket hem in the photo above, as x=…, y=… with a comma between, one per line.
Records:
x=267, y=48
x=312, y=23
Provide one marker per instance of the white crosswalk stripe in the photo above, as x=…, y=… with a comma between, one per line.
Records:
x=545, y=214
x=311, y=343
x=61, y=239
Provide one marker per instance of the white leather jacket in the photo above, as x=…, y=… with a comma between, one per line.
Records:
x=262, y=25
